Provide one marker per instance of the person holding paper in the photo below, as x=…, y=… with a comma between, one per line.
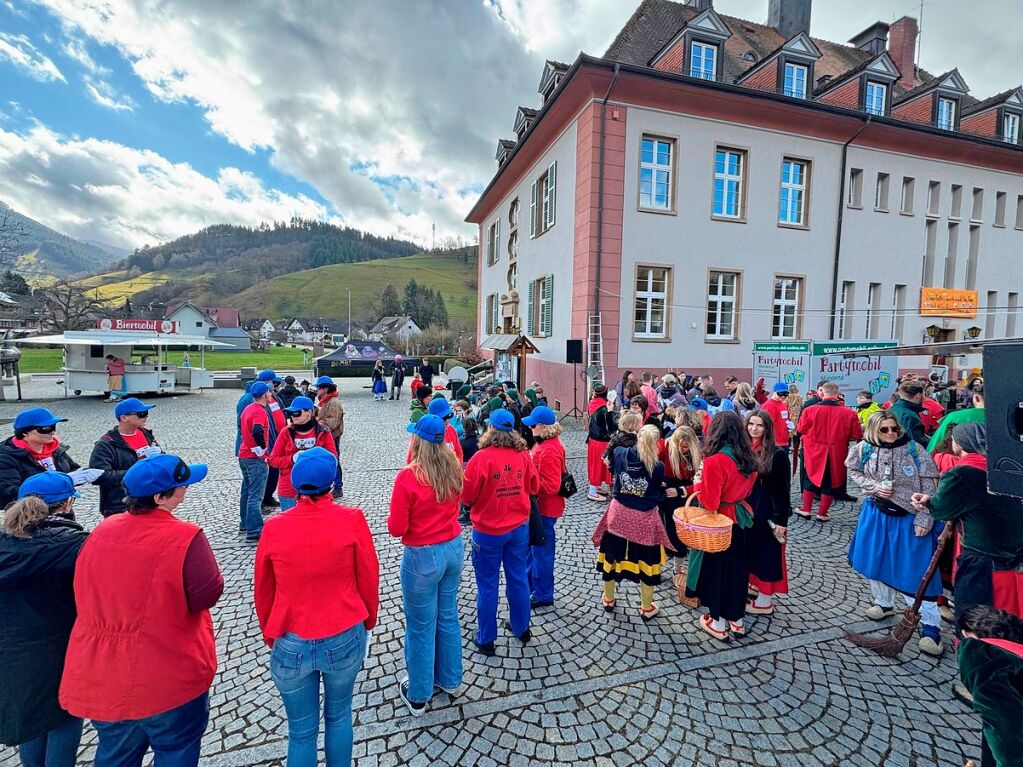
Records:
x=121, y=448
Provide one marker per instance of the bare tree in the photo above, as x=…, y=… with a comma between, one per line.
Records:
x=65, y=306
x=12, y=238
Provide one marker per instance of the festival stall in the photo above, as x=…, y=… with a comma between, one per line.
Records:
x=357, y=358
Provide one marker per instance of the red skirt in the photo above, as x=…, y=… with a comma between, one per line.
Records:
x=1008, y=591
x=596, y=470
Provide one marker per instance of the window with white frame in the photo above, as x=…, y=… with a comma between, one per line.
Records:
x=655, y=169
x=792, y=198
x=946, y=113
x=729, y=172
x=845, y=305
x=722, y=298
x=493, y=241
x=785, y=308
x=875, y=98
x=898, y=311
x=703, y=61
x=795, y=81
x=881, y=192
x=651, y=305
x=542, y=201
x=1010, y=128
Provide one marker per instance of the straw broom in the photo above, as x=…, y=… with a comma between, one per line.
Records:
x=890, y=646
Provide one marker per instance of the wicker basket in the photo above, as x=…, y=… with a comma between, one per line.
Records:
x=703, y=530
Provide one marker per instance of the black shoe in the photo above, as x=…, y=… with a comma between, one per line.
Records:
x=524, y=637
x=271, y=503
x=535, y=603
x=252, y=538
x=487, y=649
x=463, y=518
x=390, y=399
x=416, y=709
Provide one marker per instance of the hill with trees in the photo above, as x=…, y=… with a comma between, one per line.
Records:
x=42, y=254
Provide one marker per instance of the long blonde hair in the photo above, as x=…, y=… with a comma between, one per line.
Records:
x=684, y=433
x=630, y=422
x=23, y=517
x=646, y=446
x=437, y=465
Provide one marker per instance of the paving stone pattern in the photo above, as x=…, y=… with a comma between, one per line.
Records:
x=592, y=688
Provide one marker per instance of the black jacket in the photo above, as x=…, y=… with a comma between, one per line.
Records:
x=286, y=395
x=16, y=465
x=602, y=425
x=115, y=456
x=37, y=602
x=908, y=415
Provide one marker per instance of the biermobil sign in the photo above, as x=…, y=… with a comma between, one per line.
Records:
x=151, y=326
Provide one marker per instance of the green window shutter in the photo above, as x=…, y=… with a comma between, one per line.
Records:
x=552, y=187
x=496, y=318
x=532, y=210
x=529, y=309
x=497, y=241
x=488, y=317
x=548, y=290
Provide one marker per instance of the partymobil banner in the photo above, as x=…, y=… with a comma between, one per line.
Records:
x=869, y=370
x=784, y=361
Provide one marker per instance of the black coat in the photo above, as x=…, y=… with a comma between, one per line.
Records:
x=115, y=456
x=37, y=602
x=16, y=465
x=286, y=395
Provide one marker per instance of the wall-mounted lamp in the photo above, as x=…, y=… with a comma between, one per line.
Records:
x=932, y=331
x=972, y=332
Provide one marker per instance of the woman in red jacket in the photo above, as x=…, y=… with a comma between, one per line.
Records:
x=720, y=580
x=303, y=433
x=424, y=514
x=498, y=482
x=549, y=459
x=317, y=595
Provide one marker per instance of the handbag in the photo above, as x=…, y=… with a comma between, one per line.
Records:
x=537, y=535
x=568, y=487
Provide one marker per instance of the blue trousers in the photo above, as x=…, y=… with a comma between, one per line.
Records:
x=541, y=564
x=433, y=637
x=288, y=503
x=489, y=554
x=296, y=666
x=57, y=748
x=254, y=474
x=175, y=737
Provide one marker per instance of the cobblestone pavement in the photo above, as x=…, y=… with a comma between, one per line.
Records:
x=592, y=688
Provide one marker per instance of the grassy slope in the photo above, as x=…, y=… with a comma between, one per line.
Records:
x=48, y=360
x=115, y=286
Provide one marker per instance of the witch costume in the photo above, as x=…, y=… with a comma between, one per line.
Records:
x=772, y=505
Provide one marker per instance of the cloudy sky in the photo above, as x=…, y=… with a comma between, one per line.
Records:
x=135, y=121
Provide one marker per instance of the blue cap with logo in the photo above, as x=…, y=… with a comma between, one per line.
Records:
x=429, y=427
x=162, y=473
x=267, y=376
x=440, y=407
x=502, y=420
x=131, y=405
x=300, y=403
x=51, y=486
x=780, y=388
x=258, y=389
x=314, y=471
x=324, y=381
x=35, y=417
x=542, y=416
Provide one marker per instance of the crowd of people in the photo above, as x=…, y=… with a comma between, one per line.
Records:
x=114, y=625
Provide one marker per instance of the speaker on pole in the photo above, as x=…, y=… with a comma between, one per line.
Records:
x=1003, y=414
x=574, y=351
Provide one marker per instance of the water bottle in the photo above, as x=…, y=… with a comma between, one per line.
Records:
x=887, y=483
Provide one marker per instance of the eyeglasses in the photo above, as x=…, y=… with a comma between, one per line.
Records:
x=890, y=430
x=46, y=429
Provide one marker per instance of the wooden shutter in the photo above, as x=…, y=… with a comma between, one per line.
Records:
x=532, y=210
x=529, y=308
x=496, y=317
x=497, y=241
x=551, y=188
x=488, y=315
x=548, y=310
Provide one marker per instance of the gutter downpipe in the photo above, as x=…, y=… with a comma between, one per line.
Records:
x=600, y=201
x=841, y=215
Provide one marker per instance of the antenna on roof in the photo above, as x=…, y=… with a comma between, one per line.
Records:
x=919, y=38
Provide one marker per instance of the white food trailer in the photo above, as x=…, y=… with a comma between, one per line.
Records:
x=148, y=368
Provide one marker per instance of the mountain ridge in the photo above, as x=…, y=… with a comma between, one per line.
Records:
x=45, y=252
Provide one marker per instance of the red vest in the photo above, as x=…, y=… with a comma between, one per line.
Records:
x=136, y=650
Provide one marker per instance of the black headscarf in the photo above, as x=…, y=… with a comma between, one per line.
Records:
x=971, y=437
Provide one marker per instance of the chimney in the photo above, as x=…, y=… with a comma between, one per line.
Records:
x=789, y=17
x=902, y=48
x=873, y=39
x=700, y=5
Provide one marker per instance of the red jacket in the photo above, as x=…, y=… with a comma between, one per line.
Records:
x=827, y=428
x=722, y=485
x=253, y=415
x=450, y=438
x=317, y=572
x=416, y=517
x=136, y=649
x=498, y=483
x=282, y=457
x=779, y=412
x=549, y=461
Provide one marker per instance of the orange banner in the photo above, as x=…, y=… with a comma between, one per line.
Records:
x=945, y=302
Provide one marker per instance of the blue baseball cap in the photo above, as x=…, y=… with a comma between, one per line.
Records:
x=267, y=376
x=131, y=405
x=314, y=471
x=51, y=486
x=300, y=403
x=35, y=417
x=161, y=473
x=698, y=404
x=502, y=420
x=324, y=381
x=543, y=416
x=780, y=388
x=259, y=389
x=440, y=407
x=429, y=427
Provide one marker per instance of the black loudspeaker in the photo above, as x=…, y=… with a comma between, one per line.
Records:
x=1003, y=403
x=574, y=351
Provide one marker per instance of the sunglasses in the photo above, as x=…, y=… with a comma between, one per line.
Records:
x=142, y=414
x=890, y=430
x=46, y=429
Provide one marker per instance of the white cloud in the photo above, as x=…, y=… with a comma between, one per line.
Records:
x=18, y=49
x=100, y=190
x=77, y=50
x=105, y=95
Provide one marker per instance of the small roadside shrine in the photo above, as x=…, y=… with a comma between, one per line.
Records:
x=510, y=350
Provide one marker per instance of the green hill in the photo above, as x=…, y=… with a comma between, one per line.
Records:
x=323, y=292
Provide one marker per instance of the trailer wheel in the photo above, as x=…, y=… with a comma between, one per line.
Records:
x=78, y=392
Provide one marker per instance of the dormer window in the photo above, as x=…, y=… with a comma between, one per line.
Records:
x=703, y=61
x=876, y=98
x=1010, y=128
x=946, y=113
x=795, y=80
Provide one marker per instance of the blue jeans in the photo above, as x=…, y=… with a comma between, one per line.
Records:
x=541, y=564
x=288, y=503
x=254, y=474
x=57, y=748
x=296, y=666
x=175, y=737
x=489, y=553
x=433, y=637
